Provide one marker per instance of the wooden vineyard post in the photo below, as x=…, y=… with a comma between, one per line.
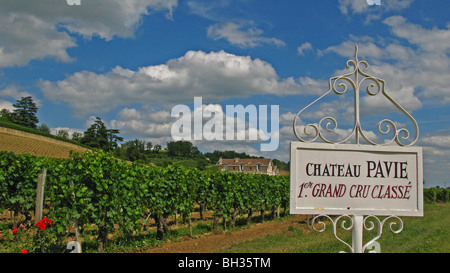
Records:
x=40, y=196
x=75, y=246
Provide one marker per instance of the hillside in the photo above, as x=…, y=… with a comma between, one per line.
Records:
x=21, y=142
x=24, y=140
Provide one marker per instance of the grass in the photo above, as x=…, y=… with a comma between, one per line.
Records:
x=428, y=234
x=148, y=239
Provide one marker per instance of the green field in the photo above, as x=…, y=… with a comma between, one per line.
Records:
x=428, y=234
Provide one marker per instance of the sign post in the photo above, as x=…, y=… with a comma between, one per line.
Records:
x=354, y=181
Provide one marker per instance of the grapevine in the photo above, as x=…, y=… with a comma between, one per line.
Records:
x=105, y=195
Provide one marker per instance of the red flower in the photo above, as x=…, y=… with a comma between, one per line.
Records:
x=41, y=225
x=14, y=230
x=44, y=221
x=23, y=251
x=49, y=221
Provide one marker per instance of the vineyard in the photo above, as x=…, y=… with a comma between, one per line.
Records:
x=106, y=196
x=21, y=142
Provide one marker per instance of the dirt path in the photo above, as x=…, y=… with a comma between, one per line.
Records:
x=215, y=243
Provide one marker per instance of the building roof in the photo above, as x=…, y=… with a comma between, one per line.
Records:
x=244, y=161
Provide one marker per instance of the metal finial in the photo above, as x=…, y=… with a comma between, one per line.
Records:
x=339, y=85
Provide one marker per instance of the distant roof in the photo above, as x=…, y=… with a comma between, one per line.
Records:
x=244, y=161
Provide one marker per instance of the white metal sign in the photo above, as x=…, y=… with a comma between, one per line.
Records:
x=356, y=179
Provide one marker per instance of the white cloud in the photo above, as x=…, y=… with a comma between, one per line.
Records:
x=235, y=27
x=286, y=119
x=6, y=105
x=360, y=6
x=13, y=92
x=372, y=10
x=109, y=18
x=234, y=34
x=155, y=126
x=415, y=65
x=54, y=131
x=341, y=110
x=312, y=86
x=34, y=30
x=436, y=148
x=25, y=37
x=429, y=40
x=237, y=146
x=355, y=6
x=144, y=123
x=211, y=10
x=214, y=76
x=304, y=47
x=366, y=45
x=439, y=144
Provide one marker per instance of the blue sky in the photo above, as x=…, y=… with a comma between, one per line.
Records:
x=131, y=61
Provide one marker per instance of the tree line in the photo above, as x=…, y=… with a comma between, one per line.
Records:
x=98, y=136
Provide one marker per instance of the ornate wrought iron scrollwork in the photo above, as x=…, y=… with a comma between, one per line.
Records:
x=395, y=225
x=392, y=221
x=343, y=218
x=340, y=85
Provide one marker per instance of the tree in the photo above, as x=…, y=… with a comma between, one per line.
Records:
x=77, y=136
x=179, y=148
x=214, y=157
x=113, y=138
x=149, y=146
x=25, y=112
x=157, y=148
x=63, y=133
x=97, y=136
x=182, y=148
x=5, y=115
x=134, y=150
x=44, y=128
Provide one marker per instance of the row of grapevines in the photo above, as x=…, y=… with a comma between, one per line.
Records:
x=104, y=194
x=18, y=176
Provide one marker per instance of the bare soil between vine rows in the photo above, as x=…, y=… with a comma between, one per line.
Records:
x=220, y=241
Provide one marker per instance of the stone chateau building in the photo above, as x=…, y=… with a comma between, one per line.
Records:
x=248, y=165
